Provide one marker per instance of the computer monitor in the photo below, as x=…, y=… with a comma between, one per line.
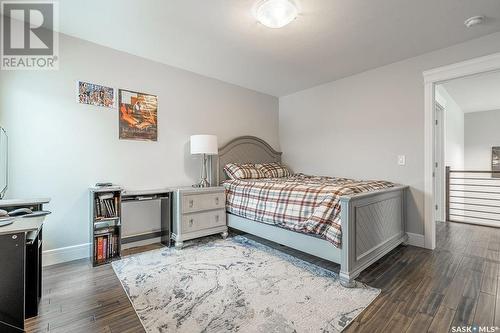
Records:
x=4, y=150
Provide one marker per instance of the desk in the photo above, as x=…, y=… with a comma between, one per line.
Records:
x=146, y=216
x=20, y=266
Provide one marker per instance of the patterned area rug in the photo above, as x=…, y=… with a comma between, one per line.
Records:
x=236, y=285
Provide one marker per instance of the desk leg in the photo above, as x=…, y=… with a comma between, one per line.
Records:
x=40, y=252
x=166, y=219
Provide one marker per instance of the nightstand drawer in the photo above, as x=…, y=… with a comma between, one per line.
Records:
x=199, y=202
x=204, y=220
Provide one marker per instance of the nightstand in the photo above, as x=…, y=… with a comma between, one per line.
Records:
x=198, y=212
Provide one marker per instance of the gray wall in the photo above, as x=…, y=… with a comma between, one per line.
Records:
x=59, y=147
x=356, y=126
x=482, y=131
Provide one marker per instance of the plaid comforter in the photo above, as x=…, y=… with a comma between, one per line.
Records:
x=307, y=204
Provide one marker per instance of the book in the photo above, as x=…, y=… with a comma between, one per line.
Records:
x=110, y=246
x=104, y=196
x=102, y=206
x=109, y=208
x=102, y=231
x=113, y=207
x=99, y=248
x=105, y=247
x=97, y=208
x=115, y=245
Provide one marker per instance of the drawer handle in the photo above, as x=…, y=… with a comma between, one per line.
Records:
x=216, y=200
x=191, y=222
x=216, y=218
x=191, y=203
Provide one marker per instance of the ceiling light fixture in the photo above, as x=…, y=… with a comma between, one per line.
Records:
x=276, y=13
x=474, y=20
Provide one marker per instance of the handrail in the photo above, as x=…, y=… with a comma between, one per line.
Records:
x=460, y=194
x=479, y=205
x=474, y=198
x=484, y=185
x=481, y=178
x=471, y=191
x=474, y=171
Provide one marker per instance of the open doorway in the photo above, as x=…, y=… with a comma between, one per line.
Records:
x=467, y=151
x=433, y=171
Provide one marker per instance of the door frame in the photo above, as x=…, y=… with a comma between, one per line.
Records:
x=433, y=77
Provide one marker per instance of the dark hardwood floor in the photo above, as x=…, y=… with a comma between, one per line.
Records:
x=80, y=298
x=422, y=290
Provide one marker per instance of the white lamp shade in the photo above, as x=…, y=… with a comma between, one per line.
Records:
x=204, y=144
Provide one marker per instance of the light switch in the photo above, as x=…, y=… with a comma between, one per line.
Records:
x=401, y=160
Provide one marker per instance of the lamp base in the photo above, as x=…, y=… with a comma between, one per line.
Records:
x=202, y=183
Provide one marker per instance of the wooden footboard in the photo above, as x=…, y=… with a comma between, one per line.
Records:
x=373, y=224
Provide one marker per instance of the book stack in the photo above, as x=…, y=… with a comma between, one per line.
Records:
x=106, y=206
x=105, y=245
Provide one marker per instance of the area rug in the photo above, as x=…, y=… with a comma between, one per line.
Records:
x=236, y=285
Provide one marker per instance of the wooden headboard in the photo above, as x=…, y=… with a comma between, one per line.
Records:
x=245, y=149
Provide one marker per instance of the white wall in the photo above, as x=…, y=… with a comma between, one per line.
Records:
x=481, y=133
x=453, y=129
x=356, y=126
x=58, y=148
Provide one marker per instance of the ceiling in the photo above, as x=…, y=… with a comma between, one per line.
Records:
x=329, y=40
x=476, y=93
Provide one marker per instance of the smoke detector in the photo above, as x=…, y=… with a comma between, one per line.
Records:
x=474, y=20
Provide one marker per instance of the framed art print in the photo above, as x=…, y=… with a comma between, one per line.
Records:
x=95, y=94
x=138, y=116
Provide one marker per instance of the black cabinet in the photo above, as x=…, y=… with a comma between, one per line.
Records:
x=12, y=280
x=20, y=278
x=21, y=246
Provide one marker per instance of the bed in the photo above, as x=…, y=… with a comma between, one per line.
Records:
x=372, y=223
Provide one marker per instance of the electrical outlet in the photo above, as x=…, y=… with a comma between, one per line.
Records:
x=401, y=160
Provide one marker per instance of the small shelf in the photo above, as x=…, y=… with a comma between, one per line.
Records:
x=99, y=228
x=106, y=261
x=105, y=221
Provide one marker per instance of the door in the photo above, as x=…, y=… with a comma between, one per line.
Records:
x=439, y=167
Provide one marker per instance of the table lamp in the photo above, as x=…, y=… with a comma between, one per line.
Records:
x=203, y=145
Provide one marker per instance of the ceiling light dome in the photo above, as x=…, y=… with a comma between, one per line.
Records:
x=276, y=13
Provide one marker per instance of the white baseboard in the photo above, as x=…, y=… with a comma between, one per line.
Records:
x=63, y=254
x=416, y=239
